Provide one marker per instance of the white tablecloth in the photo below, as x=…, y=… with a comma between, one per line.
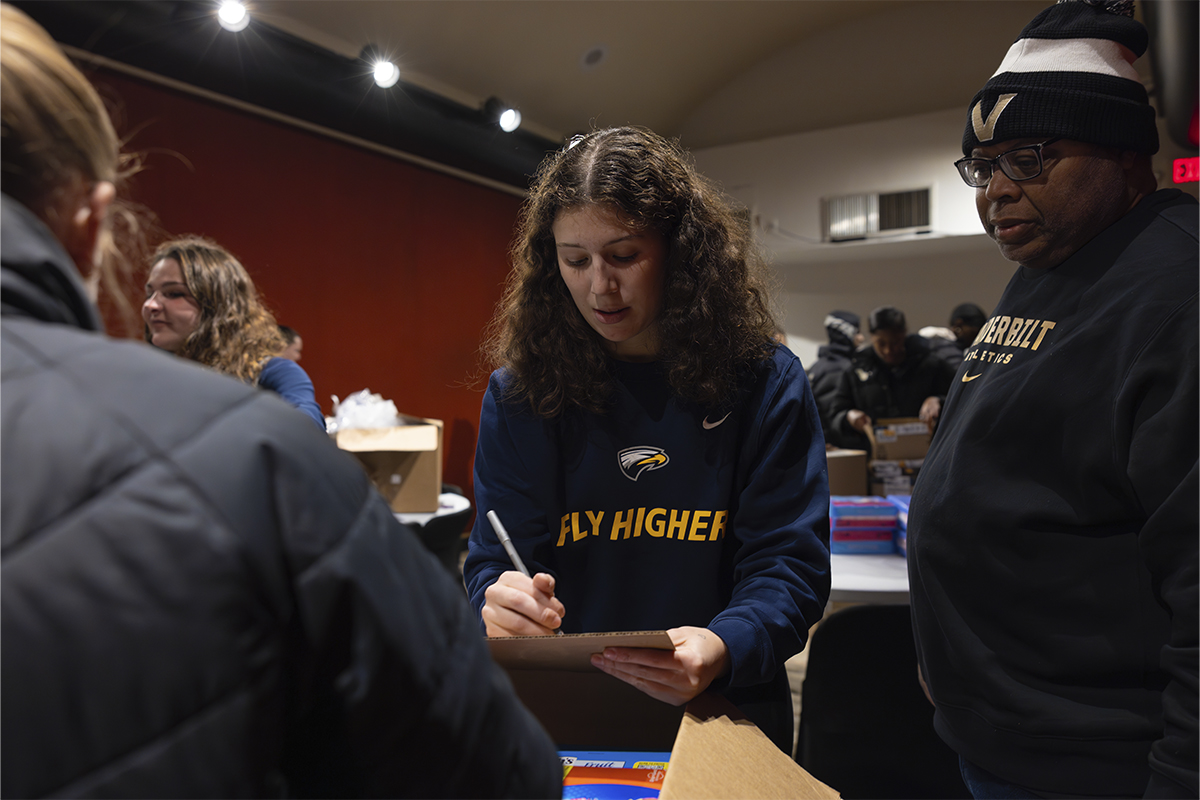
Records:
x=869, y=579
x=448, y=503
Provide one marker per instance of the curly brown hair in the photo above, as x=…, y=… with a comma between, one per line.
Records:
x=236, y=333
x=716, y=321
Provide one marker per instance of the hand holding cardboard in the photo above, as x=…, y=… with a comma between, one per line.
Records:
x=672, y=676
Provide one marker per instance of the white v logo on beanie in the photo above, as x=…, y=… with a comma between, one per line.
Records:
x=985, y=130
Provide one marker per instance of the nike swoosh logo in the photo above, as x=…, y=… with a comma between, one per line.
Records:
x=969, y=378
x=708, y=426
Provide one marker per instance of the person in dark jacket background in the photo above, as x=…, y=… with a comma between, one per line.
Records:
x=832, y=360
x=200, y=595
x=895, y=375
x=949, y=343
x=966, y=320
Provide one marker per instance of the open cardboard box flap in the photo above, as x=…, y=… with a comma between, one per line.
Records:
x=400, y=437
x=404, y=462
x=715, y=751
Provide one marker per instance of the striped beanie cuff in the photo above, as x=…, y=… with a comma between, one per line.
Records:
x=1070, y=74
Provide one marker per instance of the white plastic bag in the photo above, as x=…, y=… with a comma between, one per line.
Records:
x=363, y=409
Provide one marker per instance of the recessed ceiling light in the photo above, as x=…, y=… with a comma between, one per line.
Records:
x=594, y=57
x=233, y=16
x=510, y=120
x=386, y=74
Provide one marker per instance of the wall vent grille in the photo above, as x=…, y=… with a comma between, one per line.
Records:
x=869, y=216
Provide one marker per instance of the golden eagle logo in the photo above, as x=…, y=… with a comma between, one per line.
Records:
x=636, y=460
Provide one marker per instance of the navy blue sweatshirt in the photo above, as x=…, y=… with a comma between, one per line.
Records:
x=660, y=514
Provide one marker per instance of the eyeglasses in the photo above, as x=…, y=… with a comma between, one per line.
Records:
x=1019, y=164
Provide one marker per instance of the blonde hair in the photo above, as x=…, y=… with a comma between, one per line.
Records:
x=57, y=137
x=236, y=333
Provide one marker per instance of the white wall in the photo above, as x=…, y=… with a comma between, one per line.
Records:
x=782, y=181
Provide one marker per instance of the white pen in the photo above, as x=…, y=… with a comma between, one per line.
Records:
x=503, y=536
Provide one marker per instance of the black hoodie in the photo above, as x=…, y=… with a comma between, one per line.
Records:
x=1052, y=536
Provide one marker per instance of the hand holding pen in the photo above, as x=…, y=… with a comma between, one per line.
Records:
x=519, y=604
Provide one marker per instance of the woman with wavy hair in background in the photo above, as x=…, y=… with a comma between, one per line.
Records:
x=202, y=305
x=655, y=455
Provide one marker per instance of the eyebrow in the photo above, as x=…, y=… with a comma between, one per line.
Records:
x=606, y=244
x=168, y=283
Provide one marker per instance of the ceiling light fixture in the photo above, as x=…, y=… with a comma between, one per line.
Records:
x=233, y=16
x=383, y=69
x=386, y=74
x=504, y=115
x=510, y=120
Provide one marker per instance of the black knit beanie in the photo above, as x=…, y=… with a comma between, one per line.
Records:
x=968, y=313
x=842, y=327
x=1069, y=75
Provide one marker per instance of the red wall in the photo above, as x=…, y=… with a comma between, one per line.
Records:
x=389, y=271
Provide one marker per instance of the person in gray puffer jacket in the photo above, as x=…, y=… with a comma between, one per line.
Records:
x=200, y=595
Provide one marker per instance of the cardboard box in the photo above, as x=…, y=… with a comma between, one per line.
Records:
x=847, y=471
x=899, y=439
x=404, y=462
x=894, y=477
x=715, y=751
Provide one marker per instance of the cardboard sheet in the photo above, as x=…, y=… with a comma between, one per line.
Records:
x=715, y=752
x=748, y=766
x=571, y=652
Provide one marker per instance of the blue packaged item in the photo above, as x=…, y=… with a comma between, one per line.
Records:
x=901, y=502
x=628, y=759
x=862, y=525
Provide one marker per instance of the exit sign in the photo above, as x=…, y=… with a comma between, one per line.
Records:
x=1187, y=170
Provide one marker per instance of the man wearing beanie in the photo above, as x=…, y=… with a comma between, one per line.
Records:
x=1052, y=536
x=966, y=320
x=948, y=344
x=832, y=360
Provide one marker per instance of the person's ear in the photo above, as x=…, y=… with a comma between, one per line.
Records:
x=85, y=226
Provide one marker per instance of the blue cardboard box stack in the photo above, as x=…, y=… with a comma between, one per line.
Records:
x=901, y=502
x=868, y=524
x=862, y=524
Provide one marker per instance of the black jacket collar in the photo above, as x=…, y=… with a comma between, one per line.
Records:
x=37, y=277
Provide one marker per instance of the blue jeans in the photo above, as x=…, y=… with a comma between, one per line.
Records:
x=983, y=785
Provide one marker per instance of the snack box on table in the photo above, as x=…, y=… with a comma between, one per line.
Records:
x=861, y=524
x=404, y=462
x=714, y=751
